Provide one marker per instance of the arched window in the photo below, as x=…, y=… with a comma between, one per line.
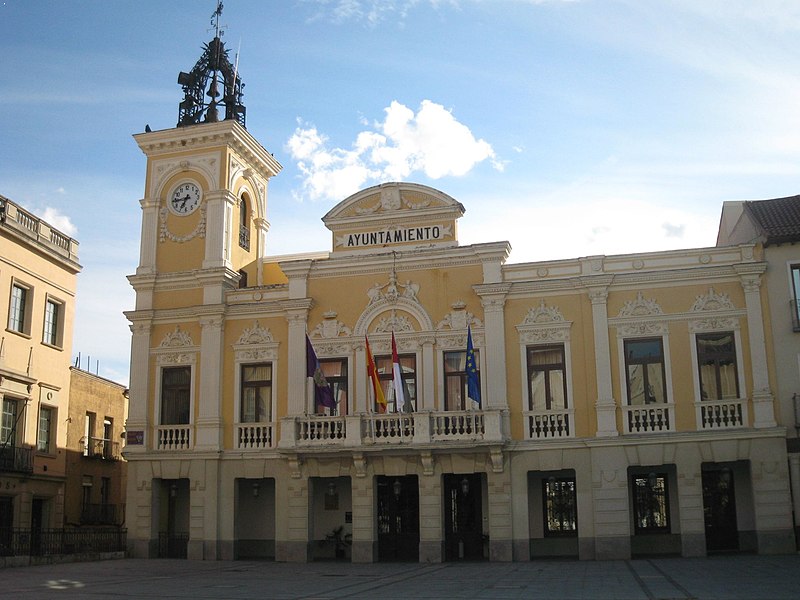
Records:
x=244, y=224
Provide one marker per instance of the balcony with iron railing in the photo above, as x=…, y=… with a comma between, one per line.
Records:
x=16, y=460
x=100, y=448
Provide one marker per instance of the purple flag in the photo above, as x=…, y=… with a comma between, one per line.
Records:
x=322, y=391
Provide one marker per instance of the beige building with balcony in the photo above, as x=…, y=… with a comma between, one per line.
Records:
x=626, y=402
x=38, y=272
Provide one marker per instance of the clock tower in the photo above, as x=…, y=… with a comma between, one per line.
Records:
x=204, y=228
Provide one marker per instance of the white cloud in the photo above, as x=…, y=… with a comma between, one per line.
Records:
x=431, y=141
x=60, y=221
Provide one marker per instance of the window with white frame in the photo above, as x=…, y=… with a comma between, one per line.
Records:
x=256, y=393
x=175, y=395
x=408, y=370
x=547, y=381
x=645, y=371
x=455, y=379
x=53, y=322
x=45, y=433
x=8, y=423
x=20, y=308
x=716, y=363
x=335, y=372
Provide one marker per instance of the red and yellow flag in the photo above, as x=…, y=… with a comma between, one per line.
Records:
x=372, y=373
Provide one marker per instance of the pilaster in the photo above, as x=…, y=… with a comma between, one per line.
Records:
x=138, y=418
x=431, y=541
x=209, y=419
x=493, y=299
x=606, y=405
x=500, y=516
x=297, y=319
x=218, y=224
x=364, y=545
x=147, y=248
x=763, y=401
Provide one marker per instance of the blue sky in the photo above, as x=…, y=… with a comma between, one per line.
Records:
x=568, y=128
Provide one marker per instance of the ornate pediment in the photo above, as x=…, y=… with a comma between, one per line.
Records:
x=255, y=335
x=459, y=318
x=712, y=301
x=544, y=324
x=640, y=307
x=176, y=339
x=543, y=314
x=330, y=327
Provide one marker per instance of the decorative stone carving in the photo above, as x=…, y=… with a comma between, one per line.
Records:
x=330, y=327
x=642, y=328
x=255, y=335
x=394, y=323
x=165, y=234
x=712, y=301
x=393, y=291
x=544, y=324
x=458, y=318
x=176, y=339
x=713, y=324
x=640, y=307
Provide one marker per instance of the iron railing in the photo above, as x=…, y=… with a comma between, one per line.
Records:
x=16, y=460
x=46, y=542
x=94, y=447
x=172, y=545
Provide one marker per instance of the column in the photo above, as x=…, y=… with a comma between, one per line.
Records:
x=500, y=522
x=291, y=519
x=493, y=299
x=150, y=227
x=763, y=405
x=218, y=207
x=431, y=517
x=363, y=393
x=296, y=369
x=690, y=501
x=138, y=424
x=208, y=428
x=262, y=227
x=606, y=405
x=428, y=378
x=363, y=505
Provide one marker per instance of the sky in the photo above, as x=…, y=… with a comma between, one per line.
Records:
x=568, y=128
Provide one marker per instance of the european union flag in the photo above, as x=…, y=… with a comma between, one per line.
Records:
x=473, y=385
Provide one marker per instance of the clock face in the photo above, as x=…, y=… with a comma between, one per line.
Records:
x=185, y=199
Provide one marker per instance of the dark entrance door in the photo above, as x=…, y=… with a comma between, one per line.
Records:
x=398, y=518
x=6, y=524
x=719, y=508
x=463, y=522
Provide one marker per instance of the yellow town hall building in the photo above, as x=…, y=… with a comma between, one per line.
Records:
x=626, y=404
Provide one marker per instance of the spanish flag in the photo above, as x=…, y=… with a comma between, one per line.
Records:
x=372, y=373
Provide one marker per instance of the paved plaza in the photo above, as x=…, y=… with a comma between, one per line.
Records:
x=716, y=578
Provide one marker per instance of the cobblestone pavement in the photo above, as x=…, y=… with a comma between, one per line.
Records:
x=716, y=578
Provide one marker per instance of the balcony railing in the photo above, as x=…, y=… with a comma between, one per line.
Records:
x=100, y=448
x=47, y=542
x=649, y=418
x=721, y=414
x=16, y=460
x=174, y=437
x=254, y=436
x=244, y=238
x=549, y=424
x=392, y=429
x=103, y=514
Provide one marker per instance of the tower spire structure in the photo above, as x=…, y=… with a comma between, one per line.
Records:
x=201, y=86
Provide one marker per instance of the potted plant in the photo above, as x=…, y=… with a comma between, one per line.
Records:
x=340, y=541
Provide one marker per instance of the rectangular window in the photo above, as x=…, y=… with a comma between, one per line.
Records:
x=86, y=499
x=716, y=362
x=105, y=490
x=455, y=379
x=650, y=503
x=175, y=393
x=408, y=370
x=108, y=445
x=645, y=372
x=52, y=323
x=256, y=393
x=17, y=313
x=560, y=507
x=45, y=429
x=8, y=426
x=335, y=372
x=547, y=381
x=88, y=434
